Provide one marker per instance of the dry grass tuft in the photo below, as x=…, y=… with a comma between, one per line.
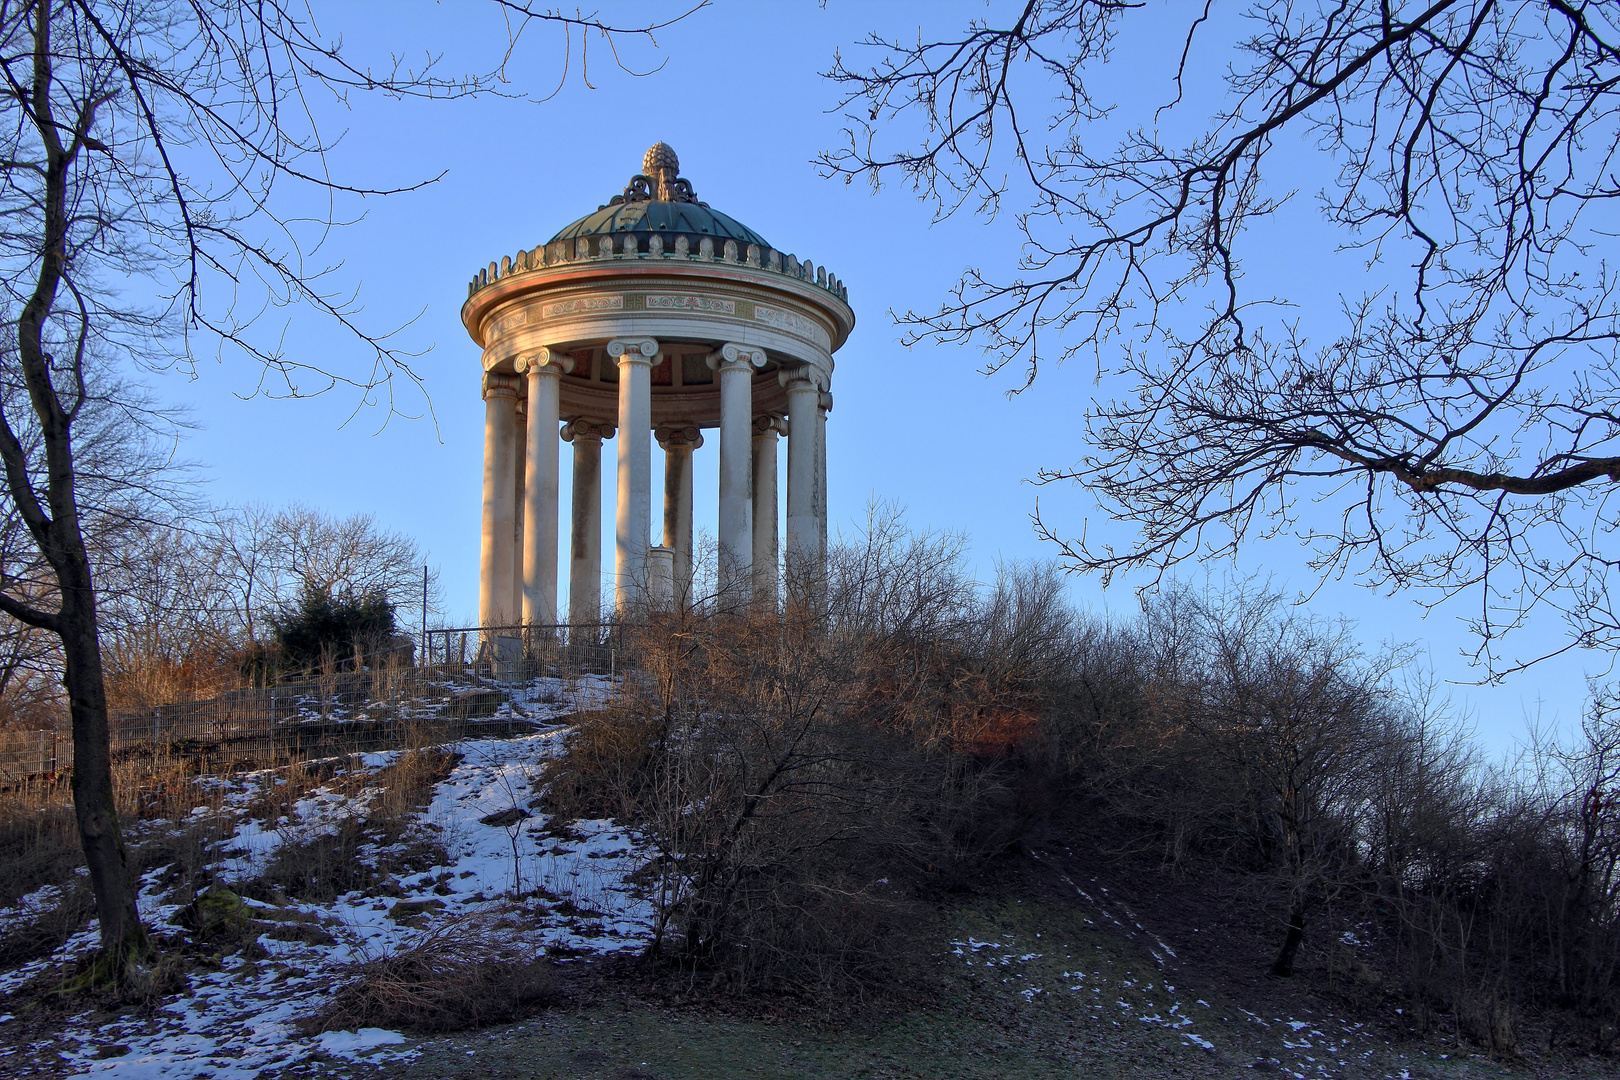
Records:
x=50, y=928
x=452, y=979
x=367, y=850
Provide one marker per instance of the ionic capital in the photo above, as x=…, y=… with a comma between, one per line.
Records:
x=585, y=430
x=733, y=356
x=680, y=436
x=769, y=426
x=802, y=378
x=544, y=362
x=635, y=351
x=825, y=401
x=497, y=385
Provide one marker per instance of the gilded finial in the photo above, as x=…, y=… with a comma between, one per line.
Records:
x=659, y=179
x=660, y=156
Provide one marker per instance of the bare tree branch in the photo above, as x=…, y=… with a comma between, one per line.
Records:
x=1458, y=416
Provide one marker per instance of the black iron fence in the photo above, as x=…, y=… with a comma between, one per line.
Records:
x=518, y=653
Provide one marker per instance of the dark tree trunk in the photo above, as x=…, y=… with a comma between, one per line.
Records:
x=1283, y=966
x=123, y=938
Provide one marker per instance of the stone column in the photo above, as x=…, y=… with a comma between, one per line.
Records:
x=495, y=554
x=735, y=365
x=544, y=370
x=585, y=528
x=633, y=522
x=678, y=444
x=660, y=578
x=804, y=532
x=765, y=529
x=520, y=480
x=824, y=404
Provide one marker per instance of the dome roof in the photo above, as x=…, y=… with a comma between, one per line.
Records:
x=660, y=201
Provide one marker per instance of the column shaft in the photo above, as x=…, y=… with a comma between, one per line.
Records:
x=765, y=525
x=678, y=444
x=495, y=543
x=540, y=502
x=803, y=528
x=735, y=365
x=823, y=407
x=585, y=526
x=520, y=478
x=633, y=521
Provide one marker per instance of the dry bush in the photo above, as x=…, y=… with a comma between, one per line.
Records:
x=783, y=826
x=785, y=830
x=452, y=978
x=1227, y=731
x=806, y=777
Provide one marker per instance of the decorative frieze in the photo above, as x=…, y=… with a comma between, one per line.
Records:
x=688, y=302
x=580, y=304
x=792, y=322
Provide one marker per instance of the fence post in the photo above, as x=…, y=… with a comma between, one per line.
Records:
x=42, y=769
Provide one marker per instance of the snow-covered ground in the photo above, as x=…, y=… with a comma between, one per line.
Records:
x=523, y=884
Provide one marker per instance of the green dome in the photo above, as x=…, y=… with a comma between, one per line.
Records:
x=659, y=201
x=670, y=219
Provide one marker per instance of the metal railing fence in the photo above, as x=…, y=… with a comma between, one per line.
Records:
x=523, y=652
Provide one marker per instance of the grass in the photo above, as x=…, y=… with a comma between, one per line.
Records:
x=979, y=1025
x=605, y=1044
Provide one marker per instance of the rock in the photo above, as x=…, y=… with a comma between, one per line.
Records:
x=219, y=917
x=415, y=913
x=505, y=817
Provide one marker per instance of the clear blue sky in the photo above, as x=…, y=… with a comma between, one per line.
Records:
x=740, y=99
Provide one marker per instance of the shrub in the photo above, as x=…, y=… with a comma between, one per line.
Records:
x=450, y=979
x=326, y=631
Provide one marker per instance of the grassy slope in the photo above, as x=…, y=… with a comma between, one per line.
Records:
x=992, y=1019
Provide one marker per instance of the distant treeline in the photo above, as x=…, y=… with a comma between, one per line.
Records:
x=219, y=599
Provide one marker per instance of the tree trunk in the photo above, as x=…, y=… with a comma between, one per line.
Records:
x=1283, y=966
x=123, y=938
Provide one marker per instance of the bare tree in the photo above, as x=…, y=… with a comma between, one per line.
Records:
x=1294, y=710
x=154, y=179
x=1459, y=414
x=185, y=597
x=313, y=553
